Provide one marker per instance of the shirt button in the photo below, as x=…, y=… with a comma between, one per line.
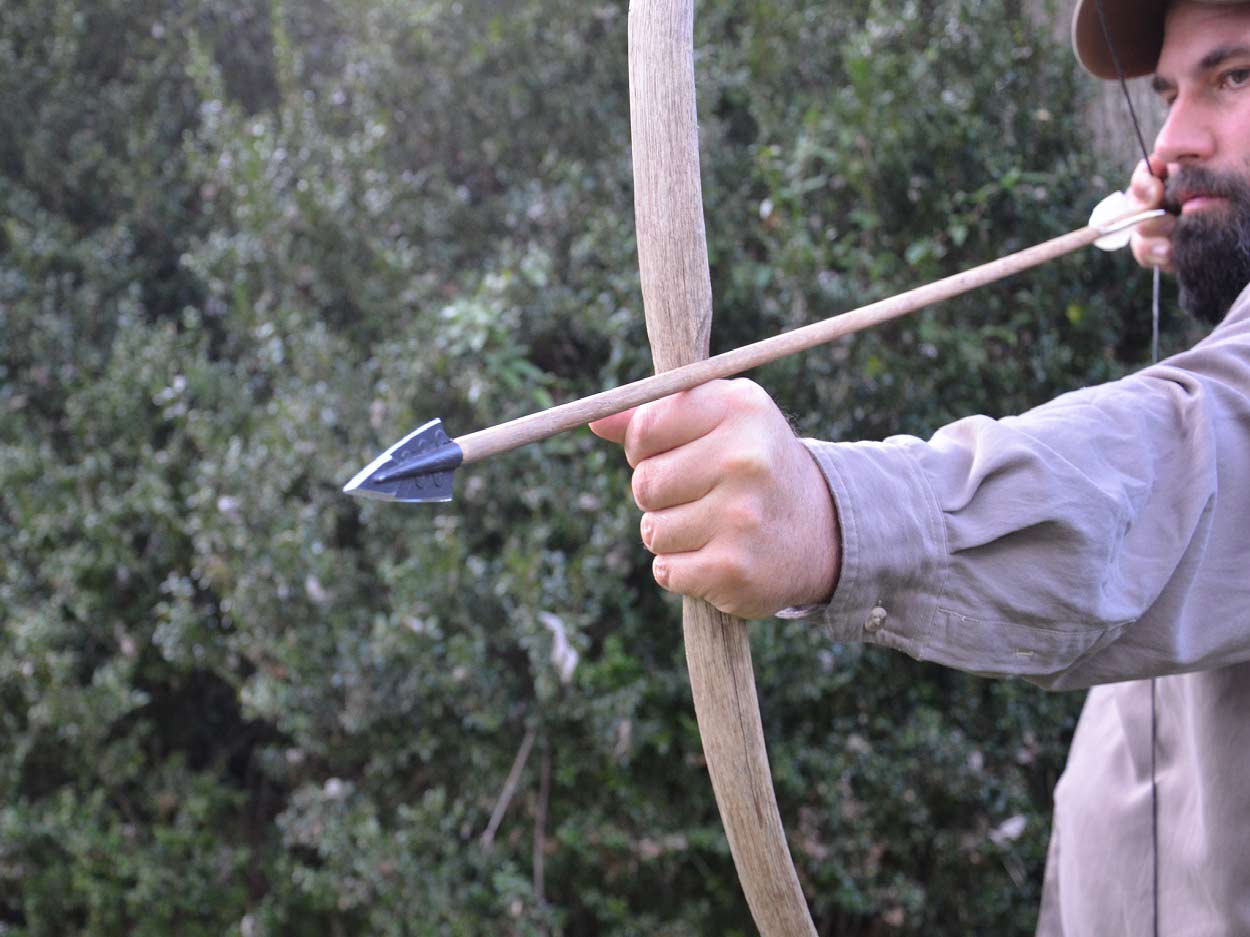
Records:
x=876, y=618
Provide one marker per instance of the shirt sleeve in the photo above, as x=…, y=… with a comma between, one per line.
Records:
x=1102, y=537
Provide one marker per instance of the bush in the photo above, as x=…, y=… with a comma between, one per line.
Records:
x=243, y=251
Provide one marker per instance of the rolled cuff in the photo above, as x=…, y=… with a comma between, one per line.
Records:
x=897, y=575
x=893, y=546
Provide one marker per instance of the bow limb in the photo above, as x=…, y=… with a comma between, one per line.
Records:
x=677, y=297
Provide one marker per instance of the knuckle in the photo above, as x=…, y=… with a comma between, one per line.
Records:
x=742, y=517
x=729, y=574
x=662, y=572
x=643, y=486
x=647, y=529
x=722, y=389
x=748, y=395
x=642, y=429
x=738, y=608
x=645, y=420
x=747, y=462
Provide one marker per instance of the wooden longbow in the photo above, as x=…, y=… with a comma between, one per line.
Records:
x=677, y=298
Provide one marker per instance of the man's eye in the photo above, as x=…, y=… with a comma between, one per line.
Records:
x=1236, y=78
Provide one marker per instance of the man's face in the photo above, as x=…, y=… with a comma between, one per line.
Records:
x=1203, y=76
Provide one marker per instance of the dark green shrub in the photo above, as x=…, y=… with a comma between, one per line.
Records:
x=243, y=249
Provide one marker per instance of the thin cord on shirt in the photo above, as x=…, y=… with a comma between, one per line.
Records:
x=1154, y=705
x=1154, y=721
x=1154, y=320
x=1154, y=798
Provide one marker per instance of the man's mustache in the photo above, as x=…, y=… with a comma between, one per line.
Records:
x=1194, y=181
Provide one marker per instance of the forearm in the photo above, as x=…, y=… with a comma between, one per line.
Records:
x=1098, y=538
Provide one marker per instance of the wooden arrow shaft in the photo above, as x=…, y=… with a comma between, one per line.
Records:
x=527, y=429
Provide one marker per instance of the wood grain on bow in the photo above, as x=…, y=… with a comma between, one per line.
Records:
x=677, y=298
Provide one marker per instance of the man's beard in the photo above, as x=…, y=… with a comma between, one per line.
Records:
x=1211, y=247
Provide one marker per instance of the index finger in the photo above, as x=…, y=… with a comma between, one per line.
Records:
x=677, y=420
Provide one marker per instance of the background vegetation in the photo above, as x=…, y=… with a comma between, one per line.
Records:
x=244, y=247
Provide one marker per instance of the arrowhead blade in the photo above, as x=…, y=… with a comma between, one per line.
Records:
x=434, y=486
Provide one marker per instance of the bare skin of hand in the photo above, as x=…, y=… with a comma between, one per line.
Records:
x=734, y=507
x=1152, y=240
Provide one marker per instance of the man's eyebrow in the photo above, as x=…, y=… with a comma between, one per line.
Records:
x=1212, y=60
x=1218, y=56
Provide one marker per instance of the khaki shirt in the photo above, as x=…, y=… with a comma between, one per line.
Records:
x=1097, y=541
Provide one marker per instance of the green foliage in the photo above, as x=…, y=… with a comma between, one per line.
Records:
x=242, y=248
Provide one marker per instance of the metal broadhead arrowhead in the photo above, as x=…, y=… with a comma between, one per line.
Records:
x=416, y=469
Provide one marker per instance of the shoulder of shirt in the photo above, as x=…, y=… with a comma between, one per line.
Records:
x=1238, y=312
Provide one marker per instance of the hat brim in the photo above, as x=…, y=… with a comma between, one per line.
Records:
x=1136, y=28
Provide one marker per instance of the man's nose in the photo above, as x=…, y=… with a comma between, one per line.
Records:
x=1185, y=136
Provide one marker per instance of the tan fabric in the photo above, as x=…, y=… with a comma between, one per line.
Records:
x=1101, y=538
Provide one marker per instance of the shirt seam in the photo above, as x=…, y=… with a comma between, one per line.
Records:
x=937, y=529
x=1078, y=628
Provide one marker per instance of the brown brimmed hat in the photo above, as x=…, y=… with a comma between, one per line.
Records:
x=1136, y=27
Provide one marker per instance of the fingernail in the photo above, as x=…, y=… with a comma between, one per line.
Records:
x=1159, y=250
x=648, y=528
x=659, y=569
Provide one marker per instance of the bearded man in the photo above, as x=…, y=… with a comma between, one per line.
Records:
x=1101, y=540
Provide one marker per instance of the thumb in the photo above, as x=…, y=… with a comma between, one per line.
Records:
x=613, y=428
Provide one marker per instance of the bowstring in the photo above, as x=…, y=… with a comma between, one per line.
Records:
x=1154, y=346
x=1145, y=154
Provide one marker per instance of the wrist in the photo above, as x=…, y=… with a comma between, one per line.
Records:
x=821, y=545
